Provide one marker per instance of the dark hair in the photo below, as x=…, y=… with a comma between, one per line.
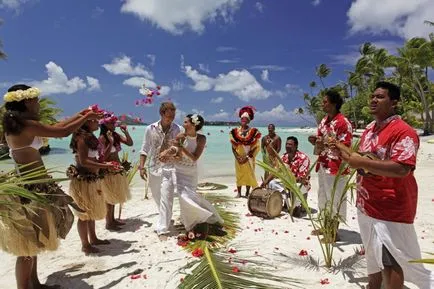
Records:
x=335, y=98
x=201, y=121
x=116, y=137
x=392, y=90
x=294, y=139
x=89, y=138
x=13, y=121
x=272, y=125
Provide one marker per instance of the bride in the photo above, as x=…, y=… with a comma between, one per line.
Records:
x=189, y=146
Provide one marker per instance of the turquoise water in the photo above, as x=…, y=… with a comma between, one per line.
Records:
x=217, y=160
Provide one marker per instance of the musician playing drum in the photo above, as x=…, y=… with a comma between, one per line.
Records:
x=299, y=163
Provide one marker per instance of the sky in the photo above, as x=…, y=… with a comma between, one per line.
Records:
x=209, y=56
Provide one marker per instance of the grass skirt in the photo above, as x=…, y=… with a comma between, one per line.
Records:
x=19, y=234
x=116, y=188
x=89, y=197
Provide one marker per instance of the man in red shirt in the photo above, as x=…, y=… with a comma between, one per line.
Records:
x=387, y=195
x=334, y=125
x=299, y=163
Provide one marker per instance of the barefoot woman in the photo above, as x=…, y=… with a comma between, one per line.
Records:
x=85, y=186
x=26, y=234
x=115, y=185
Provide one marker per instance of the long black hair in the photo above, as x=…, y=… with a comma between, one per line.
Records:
x=199, y=118
x=14, y=116
x=89, y=138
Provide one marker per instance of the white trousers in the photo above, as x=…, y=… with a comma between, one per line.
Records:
x=162, y=190
x=325, y=190
x=276, y=184
x=401, y=241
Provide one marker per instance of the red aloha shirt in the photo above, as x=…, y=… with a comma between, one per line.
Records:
x=384, y=198
x=299, y=166
x=340, y=128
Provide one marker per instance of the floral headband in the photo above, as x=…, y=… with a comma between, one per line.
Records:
x=195, y=119
x=20, y=95
x=109, y=117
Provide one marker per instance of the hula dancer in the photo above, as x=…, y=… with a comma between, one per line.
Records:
x=85, y=187
x=115, y=184
x=245, y=147
x=23, y=233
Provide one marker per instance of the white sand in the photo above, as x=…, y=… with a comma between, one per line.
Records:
x=137, y=246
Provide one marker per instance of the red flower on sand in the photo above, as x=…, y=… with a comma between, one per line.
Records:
x=233, y=251
x=134, y=277
x=325, y=281
x=303, y=253
x=235, y=269
x=198, y=252
x=183, y=241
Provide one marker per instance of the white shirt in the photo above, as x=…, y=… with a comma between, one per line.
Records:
x=153, y=140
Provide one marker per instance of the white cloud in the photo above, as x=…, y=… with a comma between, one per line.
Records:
x=316, y=2
x=58, y=82
x=269, y=67
x=219, y=116
x=177, y=17
x=177, y=85
x=217, y=100
x=278, y=113
x=398, y=17
x=97, y=12
x=259, y=6
x=93, y=83
x=138, y=82
x=12, y=4
x=225, y=48
x=240, y=83
x=265, y=75
x=152, y=58
x=123, y=66
x=293, y=89
x=204, y=67
x=182, y=62
x=236, y=60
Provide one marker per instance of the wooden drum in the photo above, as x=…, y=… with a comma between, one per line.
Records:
x=265, y=203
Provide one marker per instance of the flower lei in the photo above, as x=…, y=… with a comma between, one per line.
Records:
x=195, y=119
x=20, y=95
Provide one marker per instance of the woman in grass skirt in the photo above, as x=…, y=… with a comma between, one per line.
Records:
x=115, y=184
x=27, y=227
x=85, y=187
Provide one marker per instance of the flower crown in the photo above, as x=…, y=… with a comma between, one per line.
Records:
x=195, y=119
x=108, y=118
x=20, y=95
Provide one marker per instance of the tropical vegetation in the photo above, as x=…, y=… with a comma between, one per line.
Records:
x=410, y=67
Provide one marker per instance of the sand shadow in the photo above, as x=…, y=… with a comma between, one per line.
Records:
x=66, y=281
x=116, y=247
x=348, y=238
x=349, y=275
x=133, y=225
x=58, y=151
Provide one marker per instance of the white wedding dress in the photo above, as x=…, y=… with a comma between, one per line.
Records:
x=194, y=208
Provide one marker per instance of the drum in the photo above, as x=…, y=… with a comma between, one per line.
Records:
x=265, y=203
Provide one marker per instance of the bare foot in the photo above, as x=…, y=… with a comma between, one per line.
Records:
x=118, y=222
x=100, y=242
x=162, y=237
x=113, y=227
x=89, y=250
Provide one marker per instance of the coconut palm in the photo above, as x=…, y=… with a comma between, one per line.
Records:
x=322, y=72
x=2, y=54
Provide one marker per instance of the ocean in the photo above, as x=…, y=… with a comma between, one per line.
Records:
x=217, y=160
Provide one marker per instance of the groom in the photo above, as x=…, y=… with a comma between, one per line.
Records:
x=161, y=174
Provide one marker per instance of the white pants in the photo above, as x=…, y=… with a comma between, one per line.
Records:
x=401, y=241
x=276, y=184
x=325, y=189
x=162, y=190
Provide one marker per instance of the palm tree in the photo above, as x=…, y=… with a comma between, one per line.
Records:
x=2, y=54
x=322, y=72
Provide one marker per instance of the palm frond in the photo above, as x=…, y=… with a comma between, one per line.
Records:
x=425, y=261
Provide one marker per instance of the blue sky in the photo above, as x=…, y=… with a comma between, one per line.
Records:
x=209, y=56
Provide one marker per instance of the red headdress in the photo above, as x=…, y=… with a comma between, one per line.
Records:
x=247, y=111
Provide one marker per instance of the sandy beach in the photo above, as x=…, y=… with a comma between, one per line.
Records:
x=277, y=241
